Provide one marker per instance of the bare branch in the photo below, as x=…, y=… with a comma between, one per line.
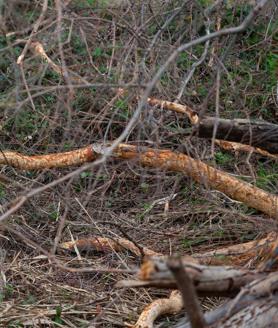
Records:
x=189, y=296
x=105, y=244
x=164, y=159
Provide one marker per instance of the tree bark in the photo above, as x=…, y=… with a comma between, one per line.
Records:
x=259, y=134
x=255, y=133
x=208, y=280
x=247, y=313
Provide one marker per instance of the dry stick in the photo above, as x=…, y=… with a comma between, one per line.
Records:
x=189, y=295
x=163, y=159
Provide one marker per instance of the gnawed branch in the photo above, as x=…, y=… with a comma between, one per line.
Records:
x=239, y=147
x=106, y=244
x=202, y=173
x=178, y=108
x=257, y=251
x=39, y=162
x=263, y=136
x=163, y=159
x=170, y=305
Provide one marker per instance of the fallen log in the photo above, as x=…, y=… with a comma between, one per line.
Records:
x=259, y=134
x=256, y=293
x=163, y=159
x=248, y=313
x=255, y=306
x=221, y=281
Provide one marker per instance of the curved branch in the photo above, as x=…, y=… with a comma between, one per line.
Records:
x=163, y=159
x=161, y=306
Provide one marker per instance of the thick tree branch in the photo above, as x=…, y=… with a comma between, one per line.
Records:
x=163, y=159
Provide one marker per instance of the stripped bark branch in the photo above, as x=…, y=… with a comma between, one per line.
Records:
x=178, y=108
x=255, y=251
x=239, y=147
x=163, y=159
x=170, y=305
x=106, y=244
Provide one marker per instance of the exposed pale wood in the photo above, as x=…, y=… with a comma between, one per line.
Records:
x=203, y=173
x=161, y=306
x=106, y=244
x=254, y=252
x=39, y=162
x=178, y=108
x=38, y=49
x=239, y=147
x=163, y=159
x=261, y=136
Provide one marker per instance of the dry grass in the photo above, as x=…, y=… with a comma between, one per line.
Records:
x=105, y=47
